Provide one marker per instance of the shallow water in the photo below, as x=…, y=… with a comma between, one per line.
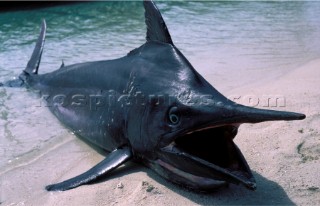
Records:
x=231, y=43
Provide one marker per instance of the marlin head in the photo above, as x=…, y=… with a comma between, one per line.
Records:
x=195, y=145
x=197, y=150
x=192, y=133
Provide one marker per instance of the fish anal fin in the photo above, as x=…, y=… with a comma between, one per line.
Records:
x=112, y=161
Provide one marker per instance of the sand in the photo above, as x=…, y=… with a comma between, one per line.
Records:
x=284, y=157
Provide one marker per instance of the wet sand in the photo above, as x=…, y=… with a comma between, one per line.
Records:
x=284, y=157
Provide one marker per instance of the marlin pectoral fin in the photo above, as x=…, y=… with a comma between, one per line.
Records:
x=112, y=161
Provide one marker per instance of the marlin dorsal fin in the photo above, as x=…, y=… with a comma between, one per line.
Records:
x=62, y=64
x=156, y=27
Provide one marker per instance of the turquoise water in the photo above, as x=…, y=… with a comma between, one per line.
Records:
x=230, y=43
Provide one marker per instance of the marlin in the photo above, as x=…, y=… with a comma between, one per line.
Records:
x=150, y=106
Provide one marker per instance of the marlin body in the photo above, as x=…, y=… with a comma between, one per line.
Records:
x=153, y=107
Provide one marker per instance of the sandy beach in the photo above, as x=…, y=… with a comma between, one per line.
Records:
x=284, y=157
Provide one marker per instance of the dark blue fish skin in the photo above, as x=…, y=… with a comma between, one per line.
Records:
x=136, y=73
x=151, y=106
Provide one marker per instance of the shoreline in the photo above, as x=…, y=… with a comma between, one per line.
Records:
x=283, y=156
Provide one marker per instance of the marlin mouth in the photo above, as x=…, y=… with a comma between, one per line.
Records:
x=206, y=158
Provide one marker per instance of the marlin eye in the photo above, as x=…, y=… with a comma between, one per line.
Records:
x=174, y=119
x=174, y=116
